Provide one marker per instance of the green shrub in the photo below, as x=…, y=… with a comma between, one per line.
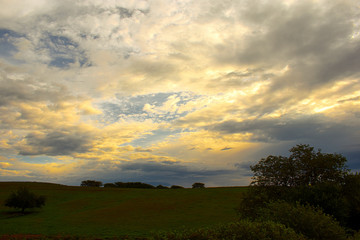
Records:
x=256, y=198
x=133, y=185
x=351, y=191
x=91, y=183
x=109, y=185
x=176, y=187
x=307, y=220
x=242, y=230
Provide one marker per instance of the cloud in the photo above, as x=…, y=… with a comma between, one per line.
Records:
x=18, y=88
x=174, y=173
x=287, y=129
x=56, y=143
x=173, y=84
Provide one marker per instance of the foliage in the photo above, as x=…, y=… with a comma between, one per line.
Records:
x=351, y=192
x=309, y=178
x=198, y=185
x=23, y=199
x=133, y=185
x=303, y=167
x=91, y=183
x=106, y=185
x=242, y=230
x=162, y=187
x=328, y=196
x=254, y=199
x=304, y=219
x=176, y=187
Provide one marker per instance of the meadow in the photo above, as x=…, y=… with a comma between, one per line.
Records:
x=112, y=212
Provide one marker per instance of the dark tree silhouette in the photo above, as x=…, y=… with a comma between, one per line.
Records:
x=303, y=167
x=23, y=199
x=133, y=185
x=306, y=177
x=91, y=183
x=111, y=185
x=198, y=185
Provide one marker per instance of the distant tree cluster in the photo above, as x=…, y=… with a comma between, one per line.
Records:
x=91, y=183
x=139, y=185
x=23, y=199
x=198, y=185
x=129, y=185
x=146, y=185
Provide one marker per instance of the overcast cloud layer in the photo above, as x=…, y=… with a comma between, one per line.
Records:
x=174, y=92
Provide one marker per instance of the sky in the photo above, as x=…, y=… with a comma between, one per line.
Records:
x=174, y=92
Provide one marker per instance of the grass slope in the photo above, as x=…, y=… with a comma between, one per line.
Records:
x=109, y=212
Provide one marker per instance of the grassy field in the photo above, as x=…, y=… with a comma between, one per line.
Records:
x=109, y=212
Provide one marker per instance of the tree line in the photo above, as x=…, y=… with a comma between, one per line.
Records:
x=94, y=183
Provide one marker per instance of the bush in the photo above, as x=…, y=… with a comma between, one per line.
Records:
x=111, y=185
x=242, y=230
x=257, y=197
x=23, y=199
x=306, y=220
x=161, y=187
x=176, y=187
x=91, y=183
x=351, y=191
x=328, y=196
x=133, y=185
x=198, y=185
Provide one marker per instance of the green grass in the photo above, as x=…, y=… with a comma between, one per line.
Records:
x=110, y=212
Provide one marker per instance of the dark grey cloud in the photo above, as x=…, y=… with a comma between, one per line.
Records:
x=169, y=172
x=303, y=128
x=353, y=157
x=226, y=148
x=28, y=90
x=153, y=172
x=56, y=143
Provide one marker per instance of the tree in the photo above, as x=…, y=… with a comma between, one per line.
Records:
x=351, y=192
x=198, y=185
x=307, y=177
x=303, y=167
x=112, y=185
x=176, y=187
x=133, y=185
x=91, y=183
x=24, y=199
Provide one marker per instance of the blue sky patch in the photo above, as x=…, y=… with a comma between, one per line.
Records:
x=134, y=107
x=64, y=51
x=7, y=47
